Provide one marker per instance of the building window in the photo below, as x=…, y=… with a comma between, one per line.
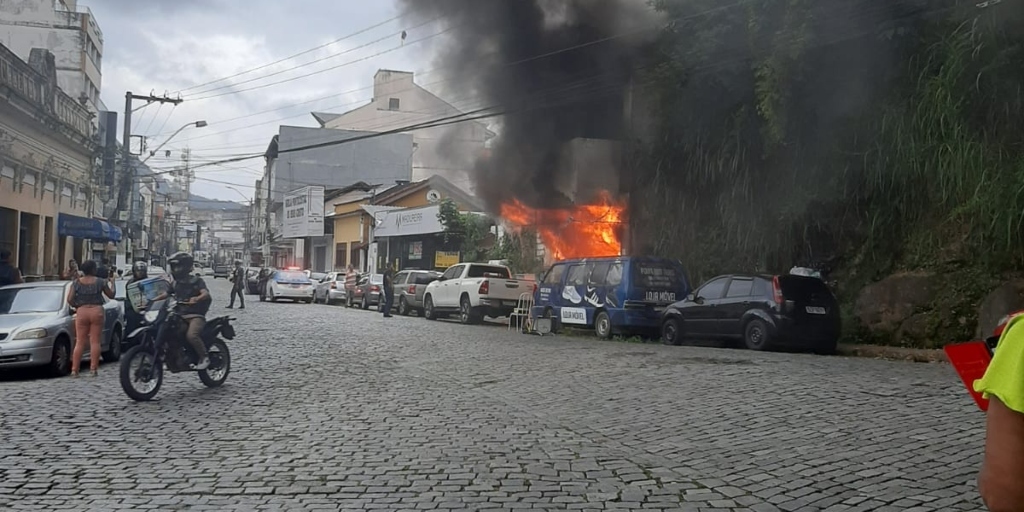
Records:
x=394, y=104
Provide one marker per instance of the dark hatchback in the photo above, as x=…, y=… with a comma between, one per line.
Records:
x=764, y=312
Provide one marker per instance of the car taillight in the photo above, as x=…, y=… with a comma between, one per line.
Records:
x=375, y=288
x=334, y=286
x=412, y=289
x=485, y=288
x=777, y=291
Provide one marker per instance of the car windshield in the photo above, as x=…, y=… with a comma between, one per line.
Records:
x=317, y=276
x=377, y=279
x=31, y=300
x=488, y=271
x=120, y=289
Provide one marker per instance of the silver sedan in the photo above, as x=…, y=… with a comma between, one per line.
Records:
x=37, y=327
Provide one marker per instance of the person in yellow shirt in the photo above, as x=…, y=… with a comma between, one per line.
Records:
x=1001, y=481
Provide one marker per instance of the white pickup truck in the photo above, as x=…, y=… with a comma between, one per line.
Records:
x=474, y=290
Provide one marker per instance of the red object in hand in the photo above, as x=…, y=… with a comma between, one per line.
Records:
x=970, y=360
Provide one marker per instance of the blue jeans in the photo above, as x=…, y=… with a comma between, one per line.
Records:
x=389, y=301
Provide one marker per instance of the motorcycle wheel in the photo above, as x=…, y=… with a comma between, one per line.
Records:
x=220, y=365
x=141, y=377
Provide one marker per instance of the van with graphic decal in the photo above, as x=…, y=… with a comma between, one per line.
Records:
x=614, y=294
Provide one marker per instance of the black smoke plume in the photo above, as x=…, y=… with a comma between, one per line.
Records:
x=560, y=70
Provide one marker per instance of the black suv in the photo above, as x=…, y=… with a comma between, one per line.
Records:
x=764, y=312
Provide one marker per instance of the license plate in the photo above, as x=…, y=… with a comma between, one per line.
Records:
x=296, y=286
x=815, y=310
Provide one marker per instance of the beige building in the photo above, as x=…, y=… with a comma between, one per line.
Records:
x=70, y=32
x=449, y=151
x=46, y=161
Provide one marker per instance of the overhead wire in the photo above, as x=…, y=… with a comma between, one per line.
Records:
x=264, y=66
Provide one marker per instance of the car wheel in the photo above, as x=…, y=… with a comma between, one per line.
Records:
x=428, y=309
x=60, y=360
x=756, y=335
x=466, y=313
x=671, y=332
x=403, y=307
x=114, y=352
x=603, y=325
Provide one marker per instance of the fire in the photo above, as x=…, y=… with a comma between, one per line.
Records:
x=581, y=231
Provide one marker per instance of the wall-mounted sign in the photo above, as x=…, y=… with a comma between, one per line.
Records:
x=416, y=251
x=304, y=212
x=445, y=259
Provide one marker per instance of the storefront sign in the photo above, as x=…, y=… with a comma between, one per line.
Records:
x=304, y=212
x=416, y=251
x=411, y=221
x=445, y=259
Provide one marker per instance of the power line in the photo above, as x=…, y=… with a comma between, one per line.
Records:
x=264, y=66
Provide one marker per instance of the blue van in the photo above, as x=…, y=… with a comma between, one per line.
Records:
x=623, y=293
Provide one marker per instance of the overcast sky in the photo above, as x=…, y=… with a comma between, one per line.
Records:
x=173, y=45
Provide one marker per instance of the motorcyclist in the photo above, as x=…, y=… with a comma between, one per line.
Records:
x=194, y=300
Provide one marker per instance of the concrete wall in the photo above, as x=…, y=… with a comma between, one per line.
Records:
x=74, y=38
x=384, y=159
x=449, y=151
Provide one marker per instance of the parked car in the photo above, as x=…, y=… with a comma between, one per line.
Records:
x=764, y=312
x=367, y=291
x=474, y=290
x=410, y=287
x=290, y=284
x=316, y=277
x=222, y=271
x=615, y=294
x=37, y=327
x=252, y=280
x=330, y=289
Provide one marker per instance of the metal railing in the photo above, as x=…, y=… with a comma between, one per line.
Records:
x=33, y=88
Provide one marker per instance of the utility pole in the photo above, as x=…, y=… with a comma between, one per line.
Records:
x=128, y=185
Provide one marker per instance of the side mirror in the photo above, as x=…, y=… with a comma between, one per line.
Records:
x=698, y=300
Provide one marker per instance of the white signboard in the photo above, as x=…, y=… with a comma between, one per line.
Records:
x=304, y=212
x=412, y=221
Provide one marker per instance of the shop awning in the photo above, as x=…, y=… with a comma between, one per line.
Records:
x=91, y=229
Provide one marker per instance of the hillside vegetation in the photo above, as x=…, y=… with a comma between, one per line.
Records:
x=875, y=137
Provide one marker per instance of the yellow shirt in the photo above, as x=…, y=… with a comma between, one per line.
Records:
x=1004, y=377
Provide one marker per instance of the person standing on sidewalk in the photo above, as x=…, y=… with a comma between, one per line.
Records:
x=86, y=295
x=389, y=289
x=237, y=285
x=9, y=274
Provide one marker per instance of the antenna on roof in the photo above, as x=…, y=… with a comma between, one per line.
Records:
x=404, y=35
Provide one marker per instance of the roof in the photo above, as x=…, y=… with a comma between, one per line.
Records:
x=324, y=117
x=436, y=181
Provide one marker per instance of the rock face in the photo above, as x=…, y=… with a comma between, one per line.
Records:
x=888, y=307
x=1005, y=299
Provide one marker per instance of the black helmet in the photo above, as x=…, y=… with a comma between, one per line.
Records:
x=180, y=265
x=140, y=268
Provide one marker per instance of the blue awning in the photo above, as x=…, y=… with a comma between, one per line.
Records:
x=91, y=229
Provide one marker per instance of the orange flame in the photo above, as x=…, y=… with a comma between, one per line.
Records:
x=581, y=231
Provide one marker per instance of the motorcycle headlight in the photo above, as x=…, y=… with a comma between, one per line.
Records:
x=150, y=316
x=31, y=334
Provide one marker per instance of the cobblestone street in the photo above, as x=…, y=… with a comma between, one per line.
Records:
x=335, y=409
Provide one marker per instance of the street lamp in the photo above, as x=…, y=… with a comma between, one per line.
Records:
x=197, y=124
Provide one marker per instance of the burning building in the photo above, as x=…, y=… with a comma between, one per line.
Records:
x=558, y=72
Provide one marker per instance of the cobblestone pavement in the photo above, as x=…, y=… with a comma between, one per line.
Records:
x=335, y=409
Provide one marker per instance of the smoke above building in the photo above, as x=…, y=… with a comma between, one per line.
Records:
x=558, y=70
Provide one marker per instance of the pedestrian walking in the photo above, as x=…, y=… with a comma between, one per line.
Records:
x=389, y=289
x=351, y=279
x=237, y=285
x=9, y=274
x=262, y=283
x=86, y=295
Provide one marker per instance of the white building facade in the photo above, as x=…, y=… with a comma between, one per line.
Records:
x=449, y=151
x=70, y=32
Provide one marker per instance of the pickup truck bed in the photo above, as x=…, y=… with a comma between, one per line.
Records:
x=474, y=290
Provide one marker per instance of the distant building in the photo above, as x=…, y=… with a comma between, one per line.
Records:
x=449, y=151
x=70, y=32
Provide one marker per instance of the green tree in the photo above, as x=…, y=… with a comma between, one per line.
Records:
x=467, y=231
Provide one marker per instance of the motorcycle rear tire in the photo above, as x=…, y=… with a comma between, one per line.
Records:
x=126, y=375
x=218, y=347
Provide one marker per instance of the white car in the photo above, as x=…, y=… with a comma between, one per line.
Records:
x=473, y=291
x=291, y=284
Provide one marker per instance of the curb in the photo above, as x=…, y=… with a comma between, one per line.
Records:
x=917, y=355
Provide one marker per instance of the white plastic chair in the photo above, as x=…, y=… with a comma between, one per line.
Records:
x=520, y=316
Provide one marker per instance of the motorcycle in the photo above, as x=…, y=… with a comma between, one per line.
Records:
x=160, y=341
x=971, y=359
